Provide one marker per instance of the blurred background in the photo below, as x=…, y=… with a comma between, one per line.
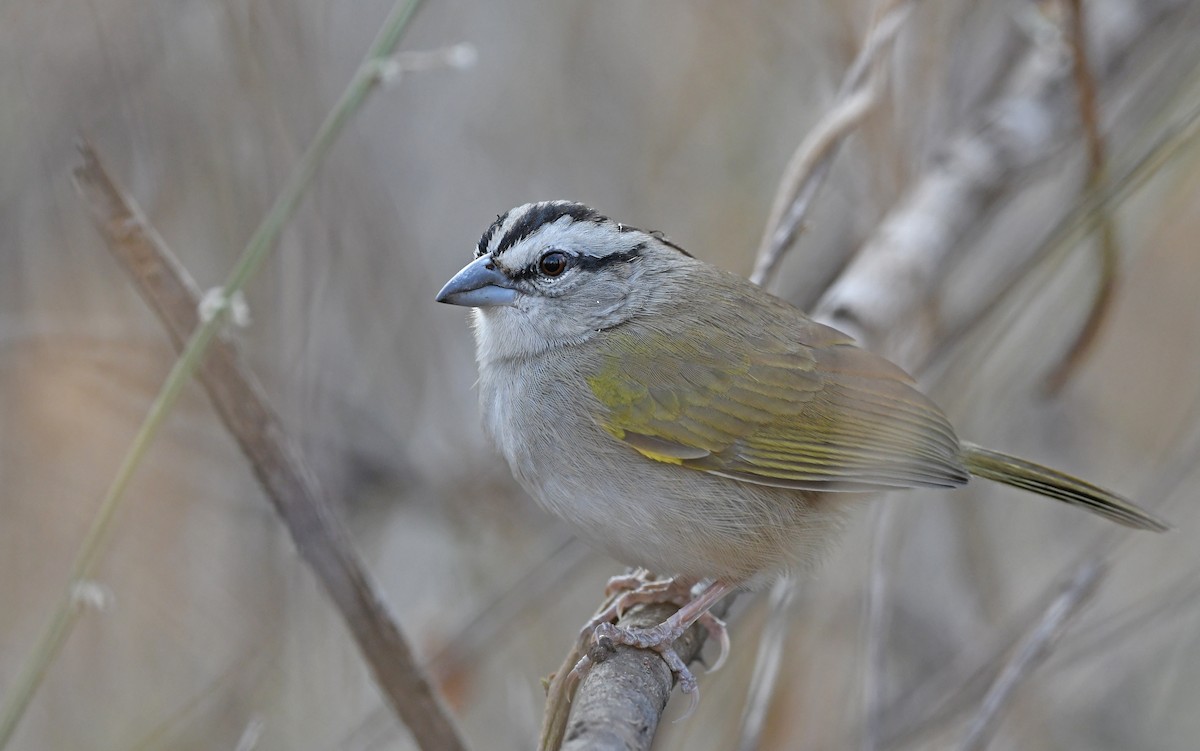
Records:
x=676, y=115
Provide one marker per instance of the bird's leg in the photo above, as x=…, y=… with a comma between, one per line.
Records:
x=661, y=638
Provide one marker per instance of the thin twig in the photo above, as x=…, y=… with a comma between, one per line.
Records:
x=66, y=611
x=1170, y=478
x=559, y=691
x=806, y=170
x=964, y=683
x=1031, y=652
x=1108, y=247
x=1135, y=621
x=277, y=461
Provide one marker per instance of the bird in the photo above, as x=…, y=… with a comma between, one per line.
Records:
x=690, y=423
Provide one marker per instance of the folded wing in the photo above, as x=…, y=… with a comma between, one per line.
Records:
x=789, y=408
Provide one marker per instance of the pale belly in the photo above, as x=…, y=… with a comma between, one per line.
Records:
x=670, y=519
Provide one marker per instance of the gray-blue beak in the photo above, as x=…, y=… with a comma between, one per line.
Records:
x=479, y=285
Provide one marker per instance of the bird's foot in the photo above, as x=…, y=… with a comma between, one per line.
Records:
x=639, y=589
x=660, y=638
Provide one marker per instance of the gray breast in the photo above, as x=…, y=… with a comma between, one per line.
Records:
x=670, y=519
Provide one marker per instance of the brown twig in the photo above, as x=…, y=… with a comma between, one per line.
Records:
x=559, y=691
x=317, y=532
x=1108, y=247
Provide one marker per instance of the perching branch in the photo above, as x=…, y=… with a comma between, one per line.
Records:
x=619, y=704
x=277, y=461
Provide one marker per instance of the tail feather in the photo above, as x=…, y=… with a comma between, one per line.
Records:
x=993, y=465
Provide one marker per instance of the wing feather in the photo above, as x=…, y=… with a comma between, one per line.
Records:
x=796, y=406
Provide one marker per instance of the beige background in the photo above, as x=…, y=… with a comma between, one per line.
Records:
x=671, y=114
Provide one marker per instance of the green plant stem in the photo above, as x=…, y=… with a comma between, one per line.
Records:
x=257, y=249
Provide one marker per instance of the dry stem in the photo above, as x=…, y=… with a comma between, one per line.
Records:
x=810, y=164
x=277, y=462
x=1108, y=248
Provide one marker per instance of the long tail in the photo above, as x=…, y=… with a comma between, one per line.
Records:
x=992, y=465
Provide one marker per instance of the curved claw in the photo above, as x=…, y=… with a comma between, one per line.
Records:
x=582, y=667
x=720, y=634
x=693, y=702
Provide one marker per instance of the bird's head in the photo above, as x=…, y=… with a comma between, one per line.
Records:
x=556, y=273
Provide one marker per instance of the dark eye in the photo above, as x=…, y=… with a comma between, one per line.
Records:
x=553, y=263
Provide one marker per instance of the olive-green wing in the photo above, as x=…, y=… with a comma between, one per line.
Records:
x=799, y=409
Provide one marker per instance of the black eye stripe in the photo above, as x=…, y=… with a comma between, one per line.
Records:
x=581, y=262
x=591, y=263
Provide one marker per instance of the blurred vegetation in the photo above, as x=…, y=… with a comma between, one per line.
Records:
x=674, y=115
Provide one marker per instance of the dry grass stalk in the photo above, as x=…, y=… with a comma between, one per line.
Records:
x=316, y=530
